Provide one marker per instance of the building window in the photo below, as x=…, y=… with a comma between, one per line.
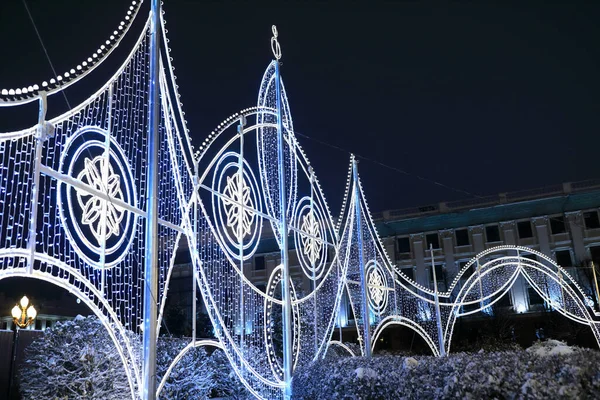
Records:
x=563, y=258
x=534, y=297
x=524, y=229
x=492, y=233
x=591, y=220
x=433, y=240
x=349, y=311
x=439, y=273
x=403, y=245
x=557, y=225
x=259, y=263
x=595, y=254
x=409, y=272
x=462, y=237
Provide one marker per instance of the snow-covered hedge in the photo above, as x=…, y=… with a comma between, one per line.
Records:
x=73, y=359
x=548, y=370
x=77, y=360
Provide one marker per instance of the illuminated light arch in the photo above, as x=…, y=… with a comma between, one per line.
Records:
x=571, y=303
x=92, y=300
x=402, y=321
x=72, y=75
x=43, y=244
x=421, y=305
x=343, y=346
x=238, y=331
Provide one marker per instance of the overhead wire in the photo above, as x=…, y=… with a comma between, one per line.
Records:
x=390, y=167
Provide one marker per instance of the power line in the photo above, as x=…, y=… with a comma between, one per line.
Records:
x=45, y=50
x=396, y=169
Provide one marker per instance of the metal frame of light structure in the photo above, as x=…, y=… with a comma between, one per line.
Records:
x=23, y=313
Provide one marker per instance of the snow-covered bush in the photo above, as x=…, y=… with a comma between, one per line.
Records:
x=77, y=360
x=189, y=379
x=225, y=382
x=509, y=374
x=74, y=360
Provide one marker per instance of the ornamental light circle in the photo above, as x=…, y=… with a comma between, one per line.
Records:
x=236, y=205
x=82, y=213
x=310, y=238
x=377, y=285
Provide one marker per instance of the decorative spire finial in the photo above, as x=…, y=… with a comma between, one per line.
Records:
x=275, y=44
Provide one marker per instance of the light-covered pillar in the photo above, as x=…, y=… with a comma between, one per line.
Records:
x=447, y=236
x=541, y=228
x=418, y=243
x=575, y=220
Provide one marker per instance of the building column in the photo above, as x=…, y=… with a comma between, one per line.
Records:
x=389, y=244
x=447, y=236
x=418, y=244
x=477, y=235
x=575, y=220
x=518, y=293
x=543, y=238
x=508, y=230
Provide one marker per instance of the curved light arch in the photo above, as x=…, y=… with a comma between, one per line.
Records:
x=77, y=73
x=342, y=345
x=521, y=265
x=133, y=377
x=402, y=321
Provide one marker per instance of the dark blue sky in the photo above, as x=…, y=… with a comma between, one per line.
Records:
x=486, y=97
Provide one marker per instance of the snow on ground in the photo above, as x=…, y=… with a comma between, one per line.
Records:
x=550, y=348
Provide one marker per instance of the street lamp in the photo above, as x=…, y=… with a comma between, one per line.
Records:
x=23, y=314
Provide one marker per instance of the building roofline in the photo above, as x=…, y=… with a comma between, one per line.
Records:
x=488, y=201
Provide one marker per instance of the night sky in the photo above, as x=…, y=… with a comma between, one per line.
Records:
x=483, y=98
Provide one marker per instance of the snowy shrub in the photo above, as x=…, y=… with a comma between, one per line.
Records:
x=77, y=360
x=511, y=374
x=335, y=351
x=74, y=360
x=190, y=378
x=224, y=380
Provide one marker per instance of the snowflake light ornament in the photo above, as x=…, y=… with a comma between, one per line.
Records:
x=311, y=240
x=238, y=206
x=92, y=174
x=377, y=287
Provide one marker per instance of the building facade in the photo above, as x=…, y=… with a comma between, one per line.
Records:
x=562, y=222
